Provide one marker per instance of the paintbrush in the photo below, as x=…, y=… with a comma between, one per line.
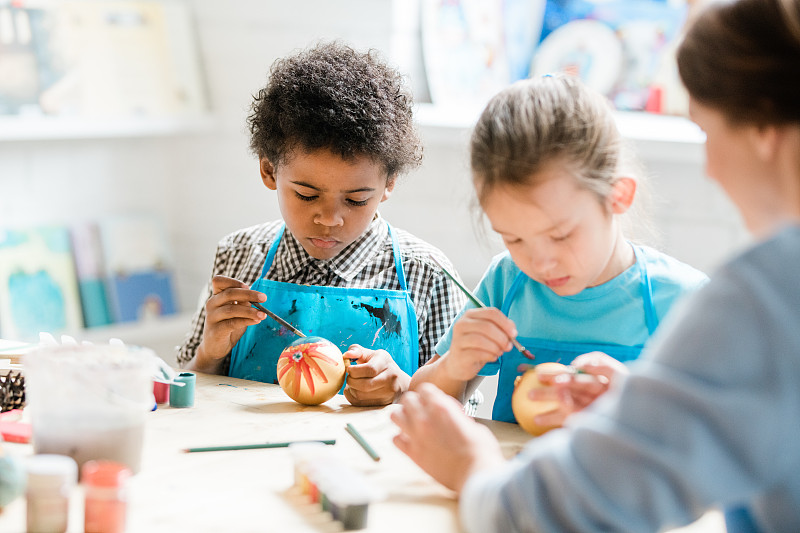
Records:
x=477, y=302
x=278, y=319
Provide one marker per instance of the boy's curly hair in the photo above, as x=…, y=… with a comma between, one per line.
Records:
x=331, y=96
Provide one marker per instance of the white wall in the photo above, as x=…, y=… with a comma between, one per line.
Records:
x=207, y=184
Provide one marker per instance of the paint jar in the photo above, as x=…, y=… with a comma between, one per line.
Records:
x=305, y=456
x=161, y=392
x=348, y=501
x=106, y=496
x=50, y=482
x=90, y=401
x=182, y=396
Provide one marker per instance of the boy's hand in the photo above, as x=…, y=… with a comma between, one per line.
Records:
x=480, y=336
x=375, y=379
x=228, y=313
x=437, y=435
x=575, y=392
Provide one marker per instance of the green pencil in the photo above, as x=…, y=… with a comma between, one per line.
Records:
x=253, y=446
x=360, y=440
x=479, y=303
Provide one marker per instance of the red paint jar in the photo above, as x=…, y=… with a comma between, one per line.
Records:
x=106, y=496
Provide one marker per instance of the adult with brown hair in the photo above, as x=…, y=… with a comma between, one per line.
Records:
x=708, y=415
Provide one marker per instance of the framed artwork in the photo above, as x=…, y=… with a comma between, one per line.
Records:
x=91, y=275
x=138, y=267
x=619, y=47
x=474, y=48
x=38, y=284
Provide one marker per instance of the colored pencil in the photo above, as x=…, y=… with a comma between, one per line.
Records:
x=253, y=446
x=477, y=302
x=362, y=442
x=278, y=319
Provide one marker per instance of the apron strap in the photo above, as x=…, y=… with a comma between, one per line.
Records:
x=273, y=248
x=512, y=291
x=650, y=316
x=398, y=264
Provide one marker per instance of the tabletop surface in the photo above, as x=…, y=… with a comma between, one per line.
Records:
x=252, y=490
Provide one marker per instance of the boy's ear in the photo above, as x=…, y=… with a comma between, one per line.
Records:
x=267, y=173
x=621, y=197
x=387, y=192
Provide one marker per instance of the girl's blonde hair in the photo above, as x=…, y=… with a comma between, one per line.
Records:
x=536, y=122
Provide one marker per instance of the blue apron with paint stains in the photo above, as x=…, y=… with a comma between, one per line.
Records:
x=562, y=352
x=374, y=318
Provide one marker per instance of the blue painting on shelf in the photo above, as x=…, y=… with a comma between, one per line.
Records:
x=138, y=267
x=91, y=276
x=474, y=48
x=142, y=295
x=38, y=284
x=622, y=48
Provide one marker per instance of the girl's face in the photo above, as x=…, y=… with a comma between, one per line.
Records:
x=559, y=234
x=326, y=201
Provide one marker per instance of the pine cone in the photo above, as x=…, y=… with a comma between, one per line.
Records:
x=12, y=391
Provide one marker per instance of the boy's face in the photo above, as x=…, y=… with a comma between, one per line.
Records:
x=326, y=201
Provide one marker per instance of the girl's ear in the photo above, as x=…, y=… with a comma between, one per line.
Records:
x=622, y=195
x=267, y=173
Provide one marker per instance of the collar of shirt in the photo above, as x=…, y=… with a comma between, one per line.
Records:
x=292, y=259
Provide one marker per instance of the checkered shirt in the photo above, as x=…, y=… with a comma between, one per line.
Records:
x=367, y=262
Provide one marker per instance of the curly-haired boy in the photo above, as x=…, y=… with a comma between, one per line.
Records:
x=333, y=129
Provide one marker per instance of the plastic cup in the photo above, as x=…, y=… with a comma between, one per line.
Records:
x=90, y=401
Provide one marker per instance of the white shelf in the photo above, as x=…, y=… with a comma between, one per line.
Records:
x=160, y=334
x=634, y=126
x=30, y=128
x=655, y=137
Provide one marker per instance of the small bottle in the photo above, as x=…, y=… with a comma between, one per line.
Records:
x=106, y=496
x=50, y=480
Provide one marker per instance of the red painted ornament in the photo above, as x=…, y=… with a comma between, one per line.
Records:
x=311, y=370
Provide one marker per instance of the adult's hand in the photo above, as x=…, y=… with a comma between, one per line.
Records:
x=437, y=435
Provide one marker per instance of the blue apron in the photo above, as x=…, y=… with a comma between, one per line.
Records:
x=374, y=318
x=739, y=520
x=561, y=352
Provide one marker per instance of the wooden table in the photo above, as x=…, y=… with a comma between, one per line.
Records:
x=251, y=490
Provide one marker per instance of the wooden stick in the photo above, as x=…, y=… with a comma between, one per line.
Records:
x=253, y=446
x=479, y=303
x=361, y=441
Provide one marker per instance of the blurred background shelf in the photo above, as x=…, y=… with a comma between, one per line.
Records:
x=160, y=335
x=27, y=128
x=443, y=124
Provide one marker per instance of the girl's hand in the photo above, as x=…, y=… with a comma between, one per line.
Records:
x=480, y=336
x=228, y=313
x=375, y=379
x=575, y=391
x=437, y=435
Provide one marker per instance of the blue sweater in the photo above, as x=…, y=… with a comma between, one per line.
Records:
x=710, y=416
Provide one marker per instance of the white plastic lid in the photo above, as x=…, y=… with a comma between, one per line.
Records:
x=51, y=471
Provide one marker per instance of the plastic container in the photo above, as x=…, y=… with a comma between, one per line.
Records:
x=183, y=396
x=90, y=401
x=106, y=496
x=50, y=482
